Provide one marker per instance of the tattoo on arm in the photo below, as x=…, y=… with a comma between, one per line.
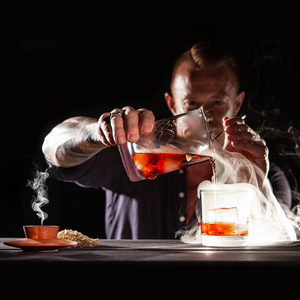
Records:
x=73, y=142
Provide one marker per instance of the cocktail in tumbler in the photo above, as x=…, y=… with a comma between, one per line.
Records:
x=224, y=217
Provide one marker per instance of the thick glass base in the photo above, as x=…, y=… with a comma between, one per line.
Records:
x=224, y=241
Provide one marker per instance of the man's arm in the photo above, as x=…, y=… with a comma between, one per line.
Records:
x=72, y=142
x=76, y=140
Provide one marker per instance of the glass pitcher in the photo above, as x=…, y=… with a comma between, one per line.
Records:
x=175, y=142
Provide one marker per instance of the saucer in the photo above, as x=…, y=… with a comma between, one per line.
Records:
x=40, y=245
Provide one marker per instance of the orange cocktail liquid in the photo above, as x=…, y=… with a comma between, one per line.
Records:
x=224, y=229
x=153, y=164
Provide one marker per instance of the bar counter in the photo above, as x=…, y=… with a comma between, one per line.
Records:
x=156, y=253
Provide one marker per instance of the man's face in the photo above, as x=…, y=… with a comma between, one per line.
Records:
x=215, y=92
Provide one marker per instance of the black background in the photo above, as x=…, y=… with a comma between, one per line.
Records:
x=65, y=67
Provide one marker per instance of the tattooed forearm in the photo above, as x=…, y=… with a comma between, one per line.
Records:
x=72, y=142
x=71, y=153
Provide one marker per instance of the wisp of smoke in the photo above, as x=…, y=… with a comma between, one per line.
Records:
x=288, y=146
x=268, y=223
x=39, y=187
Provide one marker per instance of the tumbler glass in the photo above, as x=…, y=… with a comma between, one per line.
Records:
x=224, y=217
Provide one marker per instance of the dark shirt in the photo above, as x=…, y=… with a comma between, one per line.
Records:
x=148, y=209
x=281, y=187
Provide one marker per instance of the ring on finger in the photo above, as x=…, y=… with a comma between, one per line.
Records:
x=115, y=114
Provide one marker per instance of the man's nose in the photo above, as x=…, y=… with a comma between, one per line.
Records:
x=205, y=107
x=207, y=110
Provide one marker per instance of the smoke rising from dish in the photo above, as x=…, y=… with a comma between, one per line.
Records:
x=40, y=199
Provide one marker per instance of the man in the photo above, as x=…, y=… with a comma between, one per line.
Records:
x=83, y=150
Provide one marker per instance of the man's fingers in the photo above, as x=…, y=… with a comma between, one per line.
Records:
x=236, y=128
x=117, y=125
x=105, y=130
x=131, y=124
x=147, y=120
x=232, y=121
x=241, y=138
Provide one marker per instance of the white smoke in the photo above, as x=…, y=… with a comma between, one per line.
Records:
x=268, y=223
x=288, y=146
x=39, y=187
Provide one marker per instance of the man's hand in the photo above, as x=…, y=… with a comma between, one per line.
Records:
x=241, y=138
x=121, y=125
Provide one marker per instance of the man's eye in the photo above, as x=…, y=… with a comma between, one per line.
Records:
x=217, y=102
x=191, y=104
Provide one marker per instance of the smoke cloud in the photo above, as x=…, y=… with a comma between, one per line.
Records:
x=268, y=223
x=288, y=148
x=40, y=189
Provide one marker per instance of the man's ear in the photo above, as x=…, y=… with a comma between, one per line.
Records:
x=170, y=102
x=238, y=102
